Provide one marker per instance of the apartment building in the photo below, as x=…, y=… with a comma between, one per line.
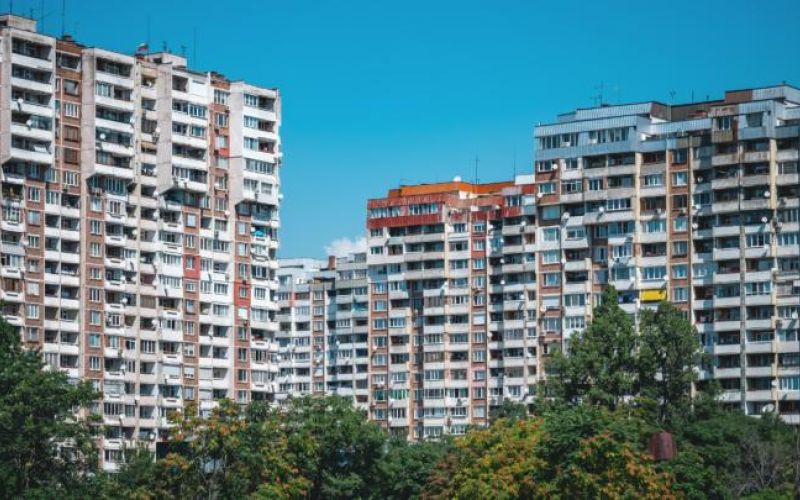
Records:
x=696, y=204
x=453, y=304
x=322, y=339
x=303, y=286
x=139, y=226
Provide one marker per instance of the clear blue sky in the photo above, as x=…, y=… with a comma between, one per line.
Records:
x=377, y=93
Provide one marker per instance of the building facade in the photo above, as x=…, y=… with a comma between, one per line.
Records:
x=139, y=226
x=472, y=286
x=323, y=320
x=453, y=304
x=696, y=204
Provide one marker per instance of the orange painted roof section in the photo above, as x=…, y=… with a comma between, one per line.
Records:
x=449, y=187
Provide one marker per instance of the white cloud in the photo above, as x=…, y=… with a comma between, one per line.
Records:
x=342, y=246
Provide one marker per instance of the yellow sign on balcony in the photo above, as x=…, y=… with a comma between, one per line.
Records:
x=653, y=295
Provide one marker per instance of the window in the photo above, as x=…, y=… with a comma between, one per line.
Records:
x=101, y=88
x=724, y=122
x=622, y=251
x=680, y=271
x=757, y=240
x=71, y=178
x=221, y=120
x=32, y=311
x=551, y=212
x=654, y=226
x=34, y=194
x=71, y=110
x=618, y=134
x=754, y=119
x=596, y=184
x=654, y=272
x=551, y=256
x=680, y=248
x=551, y=233
x=680, y=294
x=680, y=178
x=571, y=186
x=787, y=239
x=618, y=204
x=221, y=97
x=552, y=279
x=652, y=180
x=574, y=300
x=547, y=188
x=574, y=322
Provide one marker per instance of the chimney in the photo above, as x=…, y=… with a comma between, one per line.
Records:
x=331, y=262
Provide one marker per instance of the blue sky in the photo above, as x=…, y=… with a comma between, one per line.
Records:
x=381, y=93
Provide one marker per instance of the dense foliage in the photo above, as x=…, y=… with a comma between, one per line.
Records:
x=587, y=436
x=44, y=449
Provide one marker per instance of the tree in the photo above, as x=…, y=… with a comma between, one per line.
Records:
x=45, y=448
x=579, y=452
x=728, y=454
x=406, y=467
x=670, y=349
x=333, y=444
x=603, y=467
x=509, y=410
x=600, y=366
x=498, y=462
x=231, y=453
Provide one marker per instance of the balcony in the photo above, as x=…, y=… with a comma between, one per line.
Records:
x=112, y=171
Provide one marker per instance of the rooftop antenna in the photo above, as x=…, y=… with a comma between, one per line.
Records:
x=618, y=90
x=515, y=164
x=598, y=98
x=63, y=18
x=672, y=97
x=476, y=168
x=692, y=96
x=163, y=45
x=183, y=50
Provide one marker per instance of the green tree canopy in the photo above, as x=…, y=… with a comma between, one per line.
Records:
x=600, y=365
x=669, y=353
x=45, y=449
x=579, y=452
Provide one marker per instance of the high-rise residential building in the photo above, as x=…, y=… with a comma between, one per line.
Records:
x=696, y=204
x=139, y=226
x=472, y=286
x=322, y=340
x=303, y=286
x=453, y=305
